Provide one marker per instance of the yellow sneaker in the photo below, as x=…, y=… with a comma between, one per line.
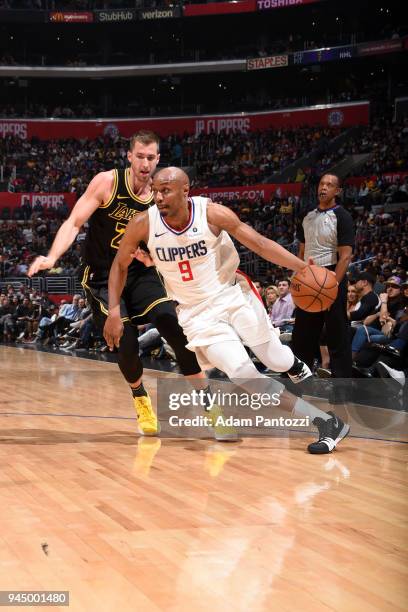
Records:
x=146, y=418
x=147, y=448
x=216, y=457
x=222, y=432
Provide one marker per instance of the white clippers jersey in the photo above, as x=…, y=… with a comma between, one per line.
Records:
x=195, y=264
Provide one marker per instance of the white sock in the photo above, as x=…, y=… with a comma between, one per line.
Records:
x=302, y=408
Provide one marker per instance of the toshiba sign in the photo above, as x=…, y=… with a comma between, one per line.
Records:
x=273, y=61
x=266, y=5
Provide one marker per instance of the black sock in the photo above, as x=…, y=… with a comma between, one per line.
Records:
x=297, y=367
x=139, y=391
x=206, y=402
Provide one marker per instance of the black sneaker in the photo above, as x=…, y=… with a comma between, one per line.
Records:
x=330, y=434
x=299, y=371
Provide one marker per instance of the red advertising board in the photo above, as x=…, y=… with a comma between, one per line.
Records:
x=47, y=200
x=266, y=5
x=389, y=177
x=250, y=192
x=71, y=17
x=341, y=115
x=219, y=8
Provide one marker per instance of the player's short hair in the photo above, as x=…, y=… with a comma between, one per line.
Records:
x=339, y=181
x=145, y=137
x=284, y=280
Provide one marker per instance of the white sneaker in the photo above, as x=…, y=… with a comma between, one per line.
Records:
x=304, y=373
x=386, y=372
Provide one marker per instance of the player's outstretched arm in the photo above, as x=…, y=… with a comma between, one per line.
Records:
x=100, y=185
x=225, y=219
x=137, y=231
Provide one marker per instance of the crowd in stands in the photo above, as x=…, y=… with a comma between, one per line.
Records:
x=171, y=52
x=21, y=240
x=139, y=107
x=378, y=289
x=227, y=159
x=377, y=310
x=30, y=317
x=378, y=274
x=31, y=232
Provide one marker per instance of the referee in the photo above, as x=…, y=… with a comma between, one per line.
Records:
x=327, y=236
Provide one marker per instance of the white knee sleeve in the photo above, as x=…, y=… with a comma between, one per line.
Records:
x=275, y=355
x=232, y=359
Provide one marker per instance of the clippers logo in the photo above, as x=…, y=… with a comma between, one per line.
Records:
x=336, y=118
x=111, y=130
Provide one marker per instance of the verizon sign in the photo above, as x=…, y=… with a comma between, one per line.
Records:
x=159, y=14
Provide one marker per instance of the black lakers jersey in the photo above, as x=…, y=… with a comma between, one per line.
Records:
x=108, y=223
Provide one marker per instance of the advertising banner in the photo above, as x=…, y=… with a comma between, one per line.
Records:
x=71, y=17
x=316, y=56
x=164, y=13
x=380, y=47
x=273, y=61
x=23, y=16
x=118, y=16
x=342, y=115
x=46, y=200
x=219, y=8
x=265, y=191
x=388, y=177
x=266, y=5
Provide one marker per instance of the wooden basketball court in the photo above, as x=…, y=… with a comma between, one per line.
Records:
x=126, y=523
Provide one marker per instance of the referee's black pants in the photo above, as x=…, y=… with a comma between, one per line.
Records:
x=307, y=330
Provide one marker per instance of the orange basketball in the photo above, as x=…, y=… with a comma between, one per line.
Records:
x=314, y=289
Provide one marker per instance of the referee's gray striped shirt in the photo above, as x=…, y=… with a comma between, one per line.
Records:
x=323, y=231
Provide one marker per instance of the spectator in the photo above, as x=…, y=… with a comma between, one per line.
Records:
x=282, y=309
x=369, y=302
x=271, y=295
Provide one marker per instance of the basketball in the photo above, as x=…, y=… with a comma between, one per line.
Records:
x=314, y=289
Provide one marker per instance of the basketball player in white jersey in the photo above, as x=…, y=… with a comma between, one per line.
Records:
x=188, y=240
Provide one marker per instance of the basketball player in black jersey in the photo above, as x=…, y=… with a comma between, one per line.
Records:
x=110, y=201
